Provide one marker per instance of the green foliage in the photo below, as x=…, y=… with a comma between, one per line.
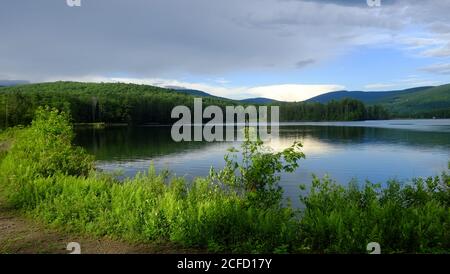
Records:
x=7, y=137
x=91, y=103
x=402, y=218
x=50, y=179
x=47, y=177
x=147, y=208
x=47, y=145
x=257, y=174
x=419, y=102
x=43, y=150
x=343, y=110
x=142, y=104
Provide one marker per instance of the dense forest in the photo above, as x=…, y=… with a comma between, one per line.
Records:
x=419, y=102
x=342, y=110
x=143, y=104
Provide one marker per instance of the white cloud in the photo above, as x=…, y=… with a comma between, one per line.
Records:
x=380, y=86
x=408, y=82
x=413, y=42
x=440, y=27
x=292, y=92
x=438, y=52
x=442, y=68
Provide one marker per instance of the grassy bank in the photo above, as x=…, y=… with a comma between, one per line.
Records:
x=237, y=209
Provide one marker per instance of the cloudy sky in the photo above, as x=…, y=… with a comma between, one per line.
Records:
x=282, y=49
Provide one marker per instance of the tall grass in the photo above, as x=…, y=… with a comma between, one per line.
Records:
x=48, y=178
x=401, y=218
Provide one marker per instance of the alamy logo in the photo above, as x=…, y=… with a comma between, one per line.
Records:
x=231, y=129
x=73, y=3
x=74, y=247
x=374, y=3
x=374, y=248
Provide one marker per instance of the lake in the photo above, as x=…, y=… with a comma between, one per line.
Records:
x=368, y=150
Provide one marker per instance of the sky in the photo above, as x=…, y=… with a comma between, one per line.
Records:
x=287, y=50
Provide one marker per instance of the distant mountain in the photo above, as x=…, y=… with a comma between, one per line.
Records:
x=367, y=97
x=197, y=93
x=193, y=92
x=258, y=100
x=423, y=102
x=9, y=83
x=431, y=102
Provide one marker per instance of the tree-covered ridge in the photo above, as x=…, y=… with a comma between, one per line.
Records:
x=432, y=102
x=92, y=102
x=143, y=104
x=365, y=96
x=420, y=102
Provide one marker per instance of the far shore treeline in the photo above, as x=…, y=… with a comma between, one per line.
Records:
x=142, y=104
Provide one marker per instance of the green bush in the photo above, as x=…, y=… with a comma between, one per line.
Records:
x=401, y=217
x=42, y=150
x=258, y=173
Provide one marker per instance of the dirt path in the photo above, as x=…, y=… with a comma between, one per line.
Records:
x=21, y=235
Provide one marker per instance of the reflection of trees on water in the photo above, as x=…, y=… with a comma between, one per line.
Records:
x=131, y=142
x=145, y=142
x=360, y=135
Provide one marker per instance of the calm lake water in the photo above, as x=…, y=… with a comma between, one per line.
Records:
x=371, y=150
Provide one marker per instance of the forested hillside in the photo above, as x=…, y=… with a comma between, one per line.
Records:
x=368, y=97
x=429, y=103
x=143, y=104
x=89, y=102
x=420, y=102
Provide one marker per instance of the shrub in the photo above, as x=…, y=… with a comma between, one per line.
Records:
x=257, y=175
x=42, y=150
x=401, y=217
